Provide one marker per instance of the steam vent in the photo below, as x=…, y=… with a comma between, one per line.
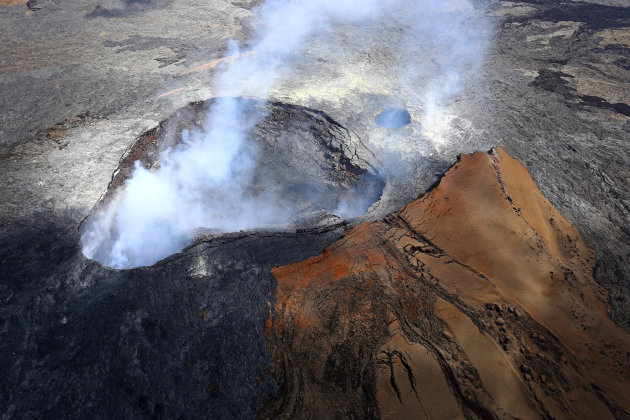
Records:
x=315, y=209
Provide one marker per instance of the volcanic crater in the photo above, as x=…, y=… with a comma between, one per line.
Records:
x=479, y=297
x=308, y=162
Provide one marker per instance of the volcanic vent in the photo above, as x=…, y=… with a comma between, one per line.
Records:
x=393, y=118
x=294, y=167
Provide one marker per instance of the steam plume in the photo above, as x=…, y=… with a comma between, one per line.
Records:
x=202, y=183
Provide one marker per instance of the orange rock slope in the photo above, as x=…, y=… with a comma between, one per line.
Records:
x=475, y=301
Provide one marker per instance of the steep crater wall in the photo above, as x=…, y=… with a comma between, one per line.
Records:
x=302, y=165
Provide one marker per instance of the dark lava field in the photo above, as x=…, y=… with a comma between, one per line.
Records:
x=314, y=209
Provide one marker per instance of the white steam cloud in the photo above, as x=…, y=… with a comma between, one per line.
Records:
x=203, y=183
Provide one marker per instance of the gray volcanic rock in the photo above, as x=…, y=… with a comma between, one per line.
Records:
x=181, y=338
x=81, y=81
x=185, y=336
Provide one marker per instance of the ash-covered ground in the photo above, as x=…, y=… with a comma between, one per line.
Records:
x=81, y=81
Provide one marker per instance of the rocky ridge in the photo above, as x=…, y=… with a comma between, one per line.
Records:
x=477, y=300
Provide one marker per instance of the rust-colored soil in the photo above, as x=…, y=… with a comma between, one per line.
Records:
x=476, y=300
x=12, y=2
x=212, y=64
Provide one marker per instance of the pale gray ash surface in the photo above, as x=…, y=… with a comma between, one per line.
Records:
x=80, y=82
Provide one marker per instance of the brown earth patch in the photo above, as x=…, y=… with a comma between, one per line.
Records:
x=476, y=300
x=10, y=3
